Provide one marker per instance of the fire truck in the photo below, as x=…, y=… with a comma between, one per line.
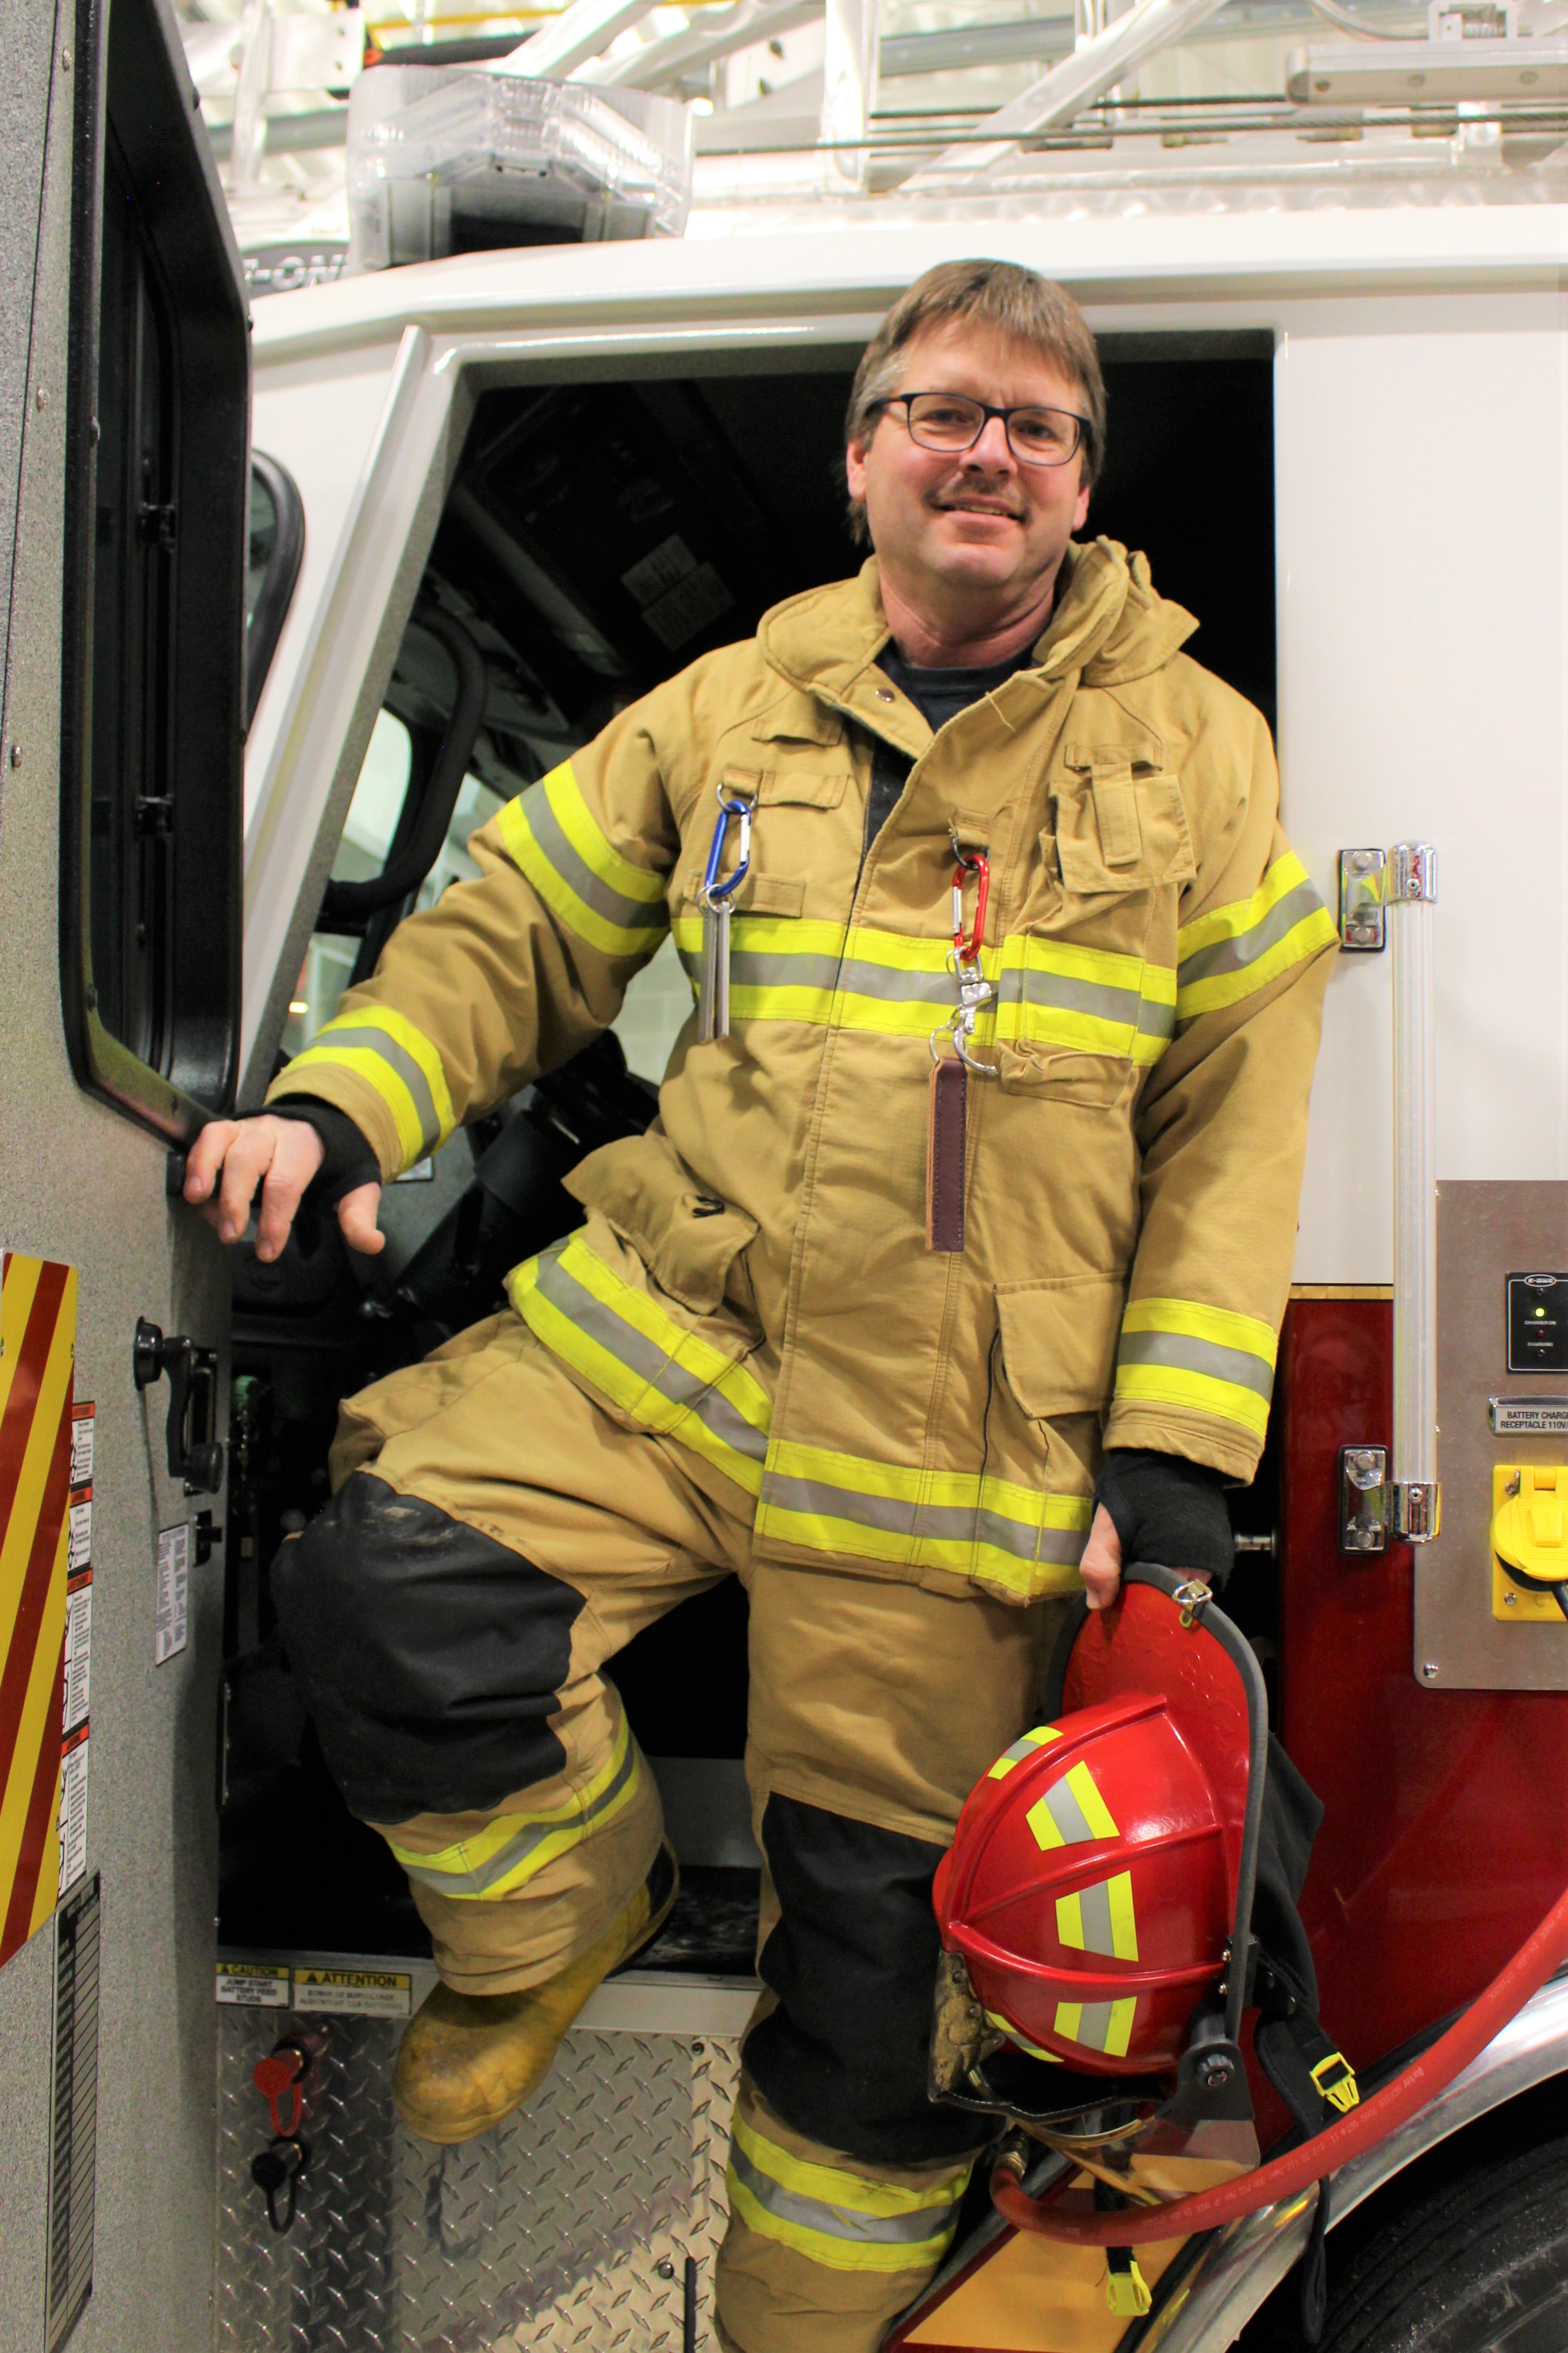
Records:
x=298, y=591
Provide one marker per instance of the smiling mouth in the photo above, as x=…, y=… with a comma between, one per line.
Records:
x=976, y=506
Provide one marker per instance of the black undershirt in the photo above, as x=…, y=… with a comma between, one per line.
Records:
x=938, y=695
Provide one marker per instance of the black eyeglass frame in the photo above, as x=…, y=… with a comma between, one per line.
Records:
x=1021, y=409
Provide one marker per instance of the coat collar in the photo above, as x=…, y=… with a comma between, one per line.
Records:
x=1110, y=625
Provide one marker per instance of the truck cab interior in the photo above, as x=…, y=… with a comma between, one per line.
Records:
x=598, y=537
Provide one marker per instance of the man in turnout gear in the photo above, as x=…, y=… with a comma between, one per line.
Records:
x=853, y=1333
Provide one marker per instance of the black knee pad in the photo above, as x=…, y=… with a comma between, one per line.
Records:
x=430, y=1656
x=854, y=1962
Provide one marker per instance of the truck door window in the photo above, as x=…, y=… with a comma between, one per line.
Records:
x=374, y=821
x=154, y=601
x=277, y=542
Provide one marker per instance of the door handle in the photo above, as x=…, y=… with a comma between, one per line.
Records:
x=195, y=1454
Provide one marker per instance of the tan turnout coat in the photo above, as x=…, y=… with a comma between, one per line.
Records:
x=754, y=1281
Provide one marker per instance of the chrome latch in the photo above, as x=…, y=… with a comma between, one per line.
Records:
x=1363, y=1499
x=1364, y=875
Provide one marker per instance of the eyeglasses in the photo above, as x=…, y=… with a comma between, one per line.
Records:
x=951, y=423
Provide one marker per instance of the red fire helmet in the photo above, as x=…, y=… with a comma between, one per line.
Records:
x=1091, y=1882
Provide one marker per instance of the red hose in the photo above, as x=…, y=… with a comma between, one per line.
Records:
x=1365, y=2125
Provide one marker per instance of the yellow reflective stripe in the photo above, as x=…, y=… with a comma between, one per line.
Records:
x=553, y=838
x=1098, y=2025
x=1071, y=1812
x=1023, y=1538
x=1095, y=1000
x=1222, y=1326
x=841, y=2219
x=1031, y=1741
x=513, y=1847
x=1099, y=1918
x=666, y=1377
x=1179, y=1352
x=890, y=984
x=397, y=1060
x=1151, y=1385
x=1236, y=950
x=1052, y=2058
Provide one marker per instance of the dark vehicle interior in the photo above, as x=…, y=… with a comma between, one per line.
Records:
x=598, y=538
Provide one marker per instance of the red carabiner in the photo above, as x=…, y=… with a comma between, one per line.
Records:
x=977, y=863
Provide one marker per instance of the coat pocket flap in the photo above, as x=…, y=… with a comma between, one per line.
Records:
x=688, y=1239
x=1059, y=1342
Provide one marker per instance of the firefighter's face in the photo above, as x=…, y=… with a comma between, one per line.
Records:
x=981, y=520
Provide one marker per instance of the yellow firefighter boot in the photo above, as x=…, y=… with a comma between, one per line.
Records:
x=468, y=2060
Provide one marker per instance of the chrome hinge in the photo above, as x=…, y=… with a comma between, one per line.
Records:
x=1362, y=885
x=1363, y=1500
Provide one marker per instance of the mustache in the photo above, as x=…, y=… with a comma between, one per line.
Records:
x=954, y=497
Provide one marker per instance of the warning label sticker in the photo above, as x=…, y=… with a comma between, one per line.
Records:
x=361, y=1993
x=78, y=1650
x=254, y=1985
x=73, y=1808
x=80, y=1542
x=83, y=1421
x=174, y=1579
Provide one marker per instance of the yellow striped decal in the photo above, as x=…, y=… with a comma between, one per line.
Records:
x=972, y=1524
x=1236, y=950
x=396, y=1061
x=513, y=1847
x=666, y=1377
x=37, y=1347
x=846, y=2222
x=1178, y=1352
x=554, y=838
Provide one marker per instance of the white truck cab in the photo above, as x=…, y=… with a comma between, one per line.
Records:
x=289, y=615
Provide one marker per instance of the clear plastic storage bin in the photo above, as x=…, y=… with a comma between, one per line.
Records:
x=448, y=160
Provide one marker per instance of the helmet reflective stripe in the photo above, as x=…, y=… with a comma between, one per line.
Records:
x=1022, y=1748
x=1098, y=2025
x=1100, y=1919
x=1071, y=1813
x=1052, y=2058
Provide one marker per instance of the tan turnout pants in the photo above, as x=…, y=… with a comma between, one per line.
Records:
x=875, y=1709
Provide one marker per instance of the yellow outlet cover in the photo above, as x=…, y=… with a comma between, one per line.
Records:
x=1529, y=1531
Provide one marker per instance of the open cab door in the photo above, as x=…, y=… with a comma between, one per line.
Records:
x=124, y=390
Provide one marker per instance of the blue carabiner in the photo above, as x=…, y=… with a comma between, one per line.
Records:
x=713, y=888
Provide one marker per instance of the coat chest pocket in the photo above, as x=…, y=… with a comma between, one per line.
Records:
x=1120, y=823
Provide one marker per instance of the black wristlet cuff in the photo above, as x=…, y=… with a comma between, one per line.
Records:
x=1169, y=1512
x=349, y=1162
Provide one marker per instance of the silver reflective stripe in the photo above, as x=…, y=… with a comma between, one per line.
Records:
x=1155, y=1019
x=533, y=1835
x=1183, y=1353
x=840, y=2221
x=1072, y=1825
x=1068, y=992
x=1064, y=1545
x=352, y=1032
x=1236, y=955
x=941, y=1522
x=627, y=914
x=1095, y=2023
x=1094, y=1911
x=647, y=1360
x=768, y=968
